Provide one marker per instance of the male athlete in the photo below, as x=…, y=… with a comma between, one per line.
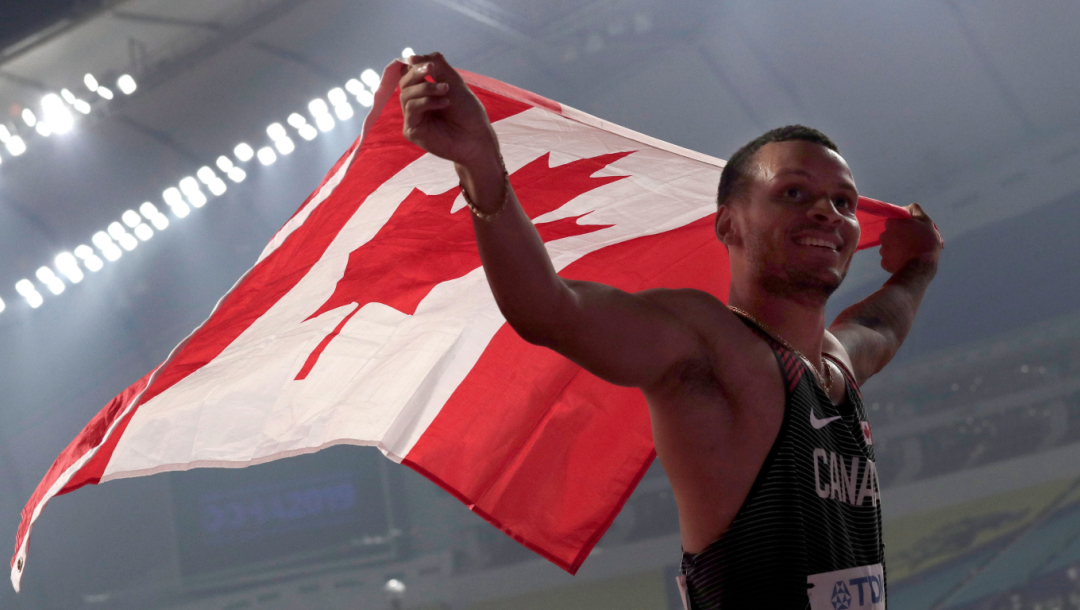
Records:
x=755, y=408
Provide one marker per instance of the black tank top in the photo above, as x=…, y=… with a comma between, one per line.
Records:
x=808, y=534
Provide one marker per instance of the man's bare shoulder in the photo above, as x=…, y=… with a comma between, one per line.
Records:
x=688, y=304
x=732, y=349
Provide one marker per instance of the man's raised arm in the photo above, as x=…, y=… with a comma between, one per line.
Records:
x=627, y=339
x=873, y=329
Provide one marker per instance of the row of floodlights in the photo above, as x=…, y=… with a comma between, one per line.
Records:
x=56, y=116
x=112, y=242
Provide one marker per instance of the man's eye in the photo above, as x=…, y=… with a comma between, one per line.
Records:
x=793, y=192
x=842, y=202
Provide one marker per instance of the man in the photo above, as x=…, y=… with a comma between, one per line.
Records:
x=755, y=410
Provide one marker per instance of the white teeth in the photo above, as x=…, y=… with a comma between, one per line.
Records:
x=810, y=241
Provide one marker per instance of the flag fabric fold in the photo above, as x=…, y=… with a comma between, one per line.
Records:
x=368, y=320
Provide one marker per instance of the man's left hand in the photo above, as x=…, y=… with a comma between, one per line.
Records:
x=906, y=239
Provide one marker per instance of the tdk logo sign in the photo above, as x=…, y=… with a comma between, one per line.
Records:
x=861, y=588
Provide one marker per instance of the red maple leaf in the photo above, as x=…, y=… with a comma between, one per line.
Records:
x=423, y=244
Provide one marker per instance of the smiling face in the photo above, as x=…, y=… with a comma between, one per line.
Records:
x=792, y=230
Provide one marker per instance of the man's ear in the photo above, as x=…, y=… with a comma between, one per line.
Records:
x=725, y=227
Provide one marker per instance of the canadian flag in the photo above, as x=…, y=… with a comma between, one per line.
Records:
x=368, y=320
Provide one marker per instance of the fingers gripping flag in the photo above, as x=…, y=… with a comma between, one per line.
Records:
x=368, y=320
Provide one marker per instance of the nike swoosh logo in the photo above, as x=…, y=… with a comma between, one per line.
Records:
x=817, y=424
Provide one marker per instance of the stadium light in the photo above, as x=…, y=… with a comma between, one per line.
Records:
x=29, y=292
x=46, y=276
x=407, y=52
x=276, y=131
x=126, y=84
x=370, y=78
x=15, y=145
x=2, y=306
x=56, y=115
x=243, y=152
x=89, y=259
x=236, y=174
x=224, y=163
x=267, y=155
x=69, y=266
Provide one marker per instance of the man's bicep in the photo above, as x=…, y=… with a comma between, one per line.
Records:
x=627, y=339
x=869, y=346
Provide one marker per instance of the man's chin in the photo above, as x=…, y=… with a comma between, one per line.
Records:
x=812, y=287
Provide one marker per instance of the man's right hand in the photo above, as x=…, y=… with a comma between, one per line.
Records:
x=444, y=117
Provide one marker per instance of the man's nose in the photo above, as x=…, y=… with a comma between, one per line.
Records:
x=823, y=210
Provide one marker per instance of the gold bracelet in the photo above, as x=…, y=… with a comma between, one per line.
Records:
x=488, y=217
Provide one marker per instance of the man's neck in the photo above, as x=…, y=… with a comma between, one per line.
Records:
x=800, y=322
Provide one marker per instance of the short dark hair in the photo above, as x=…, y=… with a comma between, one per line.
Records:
x=733, y=178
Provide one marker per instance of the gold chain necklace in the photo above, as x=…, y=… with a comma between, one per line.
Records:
x=826, y=384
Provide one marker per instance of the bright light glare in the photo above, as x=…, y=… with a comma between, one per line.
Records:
x=354, y=86
x=116, y=230
x=149, y=210
x=25, y=287
x=237, y=175
x=188, y=185
x=82, y=106
x=297, y=120
x=267, y=155
x=181, y=210
x=370, y=78
x=325, y=122
x=160, y=222
x=206, y=175
x=28, y=117
x=243, y=152
x=276, y=131
x=217, y=187
x=318, y=107
x=343, y=111
x=365, y=98
x=224, y=163
x=131, y=218
x=5, y=135
x=2, y=306
x=90, y=82
x=105, y=92
x=68, y=96
x=47, y=277
x=101, y=239
x=144, y=232
x=92, y=262
x=308, y=132
x=285, y=145
x=197, y=199
x=67, y=265
x=43, y=129
x=16, y=146
x=172, y=196
x=407, y=52
x=104, y=243
x=126, y=84
x=56, y=113
x=337, y=96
